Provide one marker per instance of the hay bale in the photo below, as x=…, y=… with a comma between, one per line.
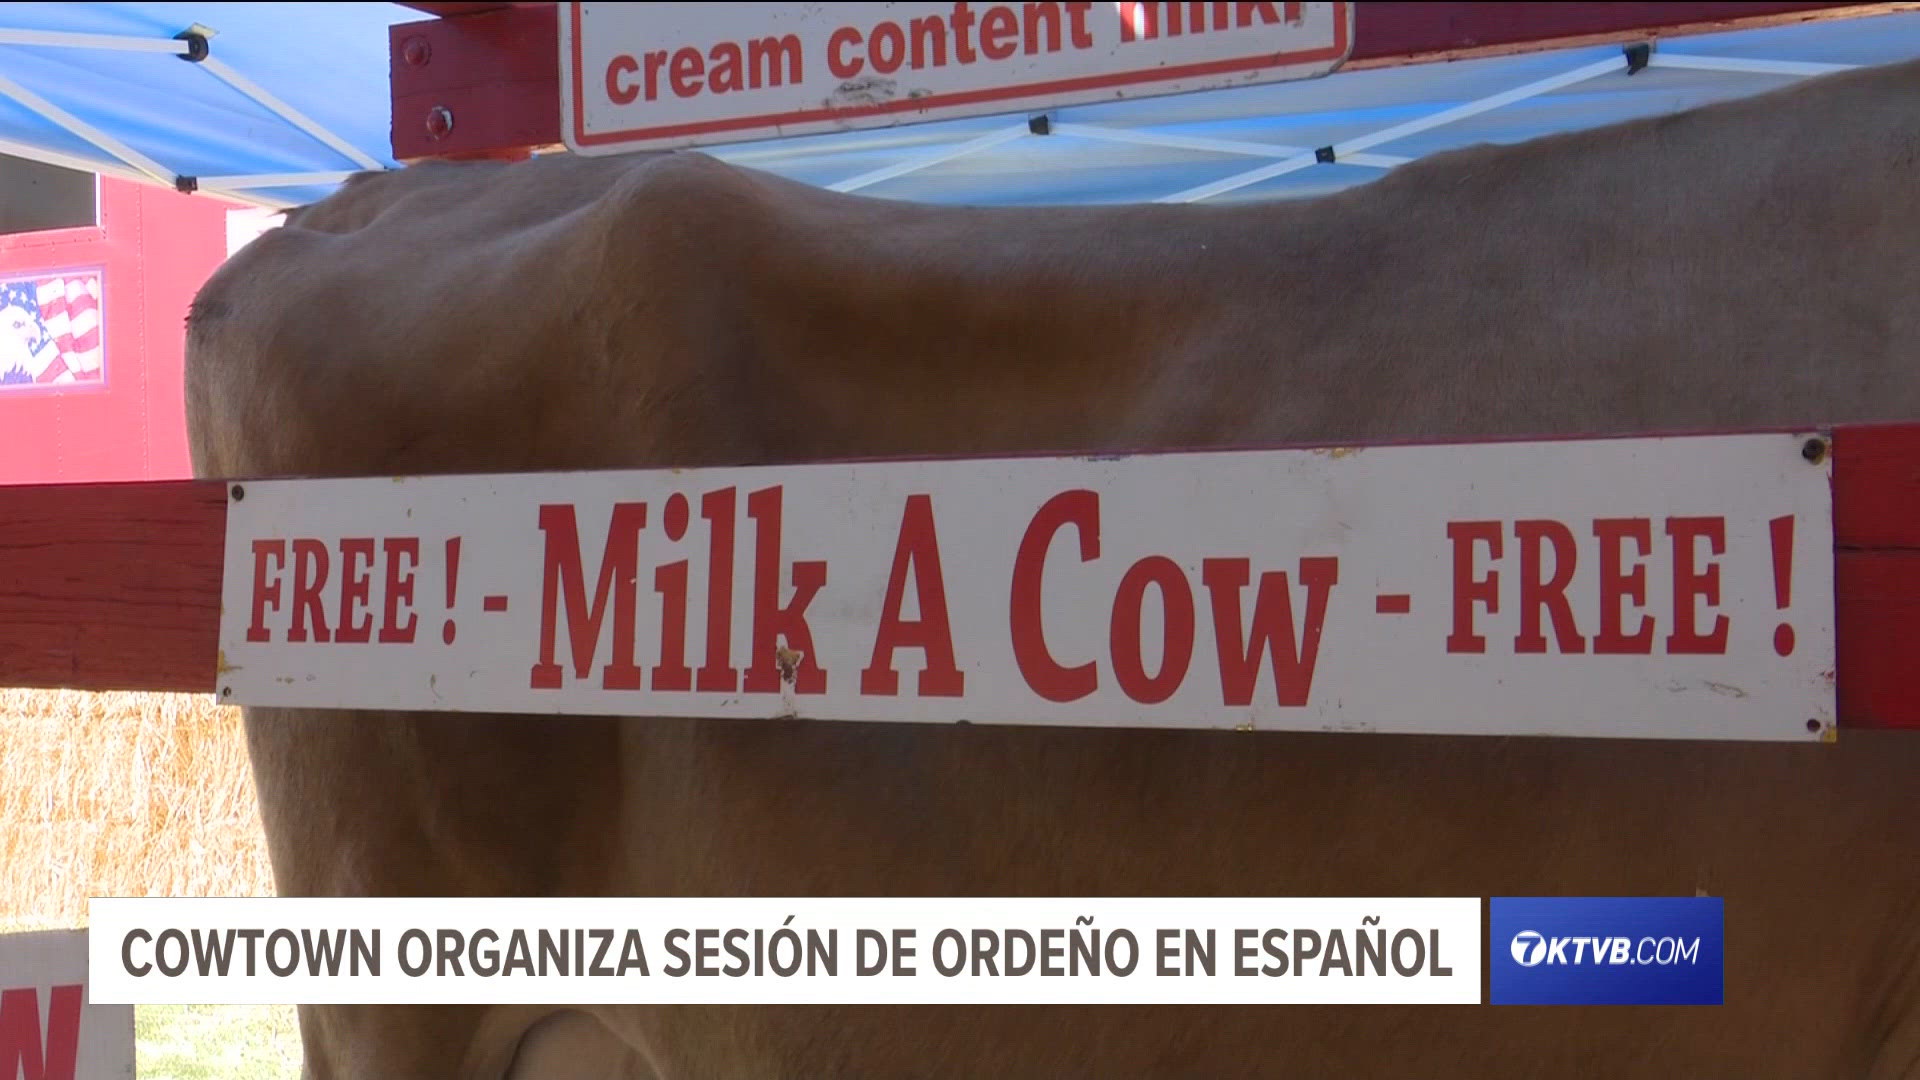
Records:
x=122, y=794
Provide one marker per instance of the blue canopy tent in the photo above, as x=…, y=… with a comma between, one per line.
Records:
x=288, y=99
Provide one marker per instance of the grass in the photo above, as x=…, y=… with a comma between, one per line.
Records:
x=137, y=794
x=216, y=1042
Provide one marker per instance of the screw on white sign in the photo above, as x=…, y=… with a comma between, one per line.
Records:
x=659, y=75
x=1674, y=587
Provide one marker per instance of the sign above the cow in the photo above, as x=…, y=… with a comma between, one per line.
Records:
x=667, y=75
x=1643, y=587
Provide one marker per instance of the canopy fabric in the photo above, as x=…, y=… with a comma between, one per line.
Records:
x=328, y=63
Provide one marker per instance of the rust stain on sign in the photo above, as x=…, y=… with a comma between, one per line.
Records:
x=788, y=661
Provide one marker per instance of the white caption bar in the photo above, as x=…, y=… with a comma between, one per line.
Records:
x=964, y=950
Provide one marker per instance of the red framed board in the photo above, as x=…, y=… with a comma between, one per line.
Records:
x=129, y=592
x=484, y=79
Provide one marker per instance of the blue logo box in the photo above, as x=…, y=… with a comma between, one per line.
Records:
x=1606, y=950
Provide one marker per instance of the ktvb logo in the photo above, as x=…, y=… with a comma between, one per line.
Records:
x=1606, y=950
x=1531, y=948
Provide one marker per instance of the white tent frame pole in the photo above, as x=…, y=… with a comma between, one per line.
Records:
x=241, y=182
x=234, y=193
x=291, y=115
x=1141, y=137
x=265, y=202
x=75, y=162
x=1744, y=65
x=1221, y=146
x=56, y=39
x=971, y=146
x=1343, y=151
x=84, y=130
x=235, y=187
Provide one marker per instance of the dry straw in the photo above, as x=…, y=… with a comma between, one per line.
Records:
x=122, y=794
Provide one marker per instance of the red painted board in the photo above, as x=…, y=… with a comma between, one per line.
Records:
x=1876, y=525
x=111, y=586
x=1403, y=33
x=496, y=75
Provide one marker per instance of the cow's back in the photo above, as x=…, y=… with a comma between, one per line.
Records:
x=665, y=311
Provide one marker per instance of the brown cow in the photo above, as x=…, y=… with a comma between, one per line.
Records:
x=1752, y=263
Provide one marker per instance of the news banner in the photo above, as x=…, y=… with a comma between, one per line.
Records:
x=929, y=951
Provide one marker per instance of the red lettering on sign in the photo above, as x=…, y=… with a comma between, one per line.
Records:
x=266, y=585
x=354, y=590
x=655, y=61
x=620, y=91
x=1689, y=582
x=963, y=18
x=1147, y=22
x=1292, y=654
x=933, y=41
x=887, y=48
x=996, y=27
x=1617, y=585
x=1550, y=595
x=1046, y=676
x=1621, y=578
x=684, y=72
x=837, y=62
x=22, y=1052
x=1468, y=590
x=565, y=583
x=309, y=577
x=403, y=556
x=672, y=672
x=1041, y=29
x=718, y=675
x=728, y=67
x=917, y=551
x=1081, y=36
x=670, y=581
x=1176, y=641
x=768, y=665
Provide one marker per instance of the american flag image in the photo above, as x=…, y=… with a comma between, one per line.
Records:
x=50, y=330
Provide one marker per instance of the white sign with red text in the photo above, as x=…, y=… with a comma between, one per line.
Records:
x=659, y=75
x=49, y=1028
x=1676, y=587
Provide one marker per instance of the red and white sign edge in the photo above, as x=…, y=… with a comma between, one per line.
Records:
x=664, y=75
x=1369, y=542
x=46, y=972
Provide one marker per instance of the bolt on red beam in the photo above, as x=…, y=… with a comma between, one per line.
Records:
x=481, y=85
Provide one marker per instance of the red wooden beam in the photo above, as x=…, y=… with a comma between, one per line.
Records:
x=486, y=80
x=117, y=586
x=476, y=84
x=1387, y=34
x=111, y=586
